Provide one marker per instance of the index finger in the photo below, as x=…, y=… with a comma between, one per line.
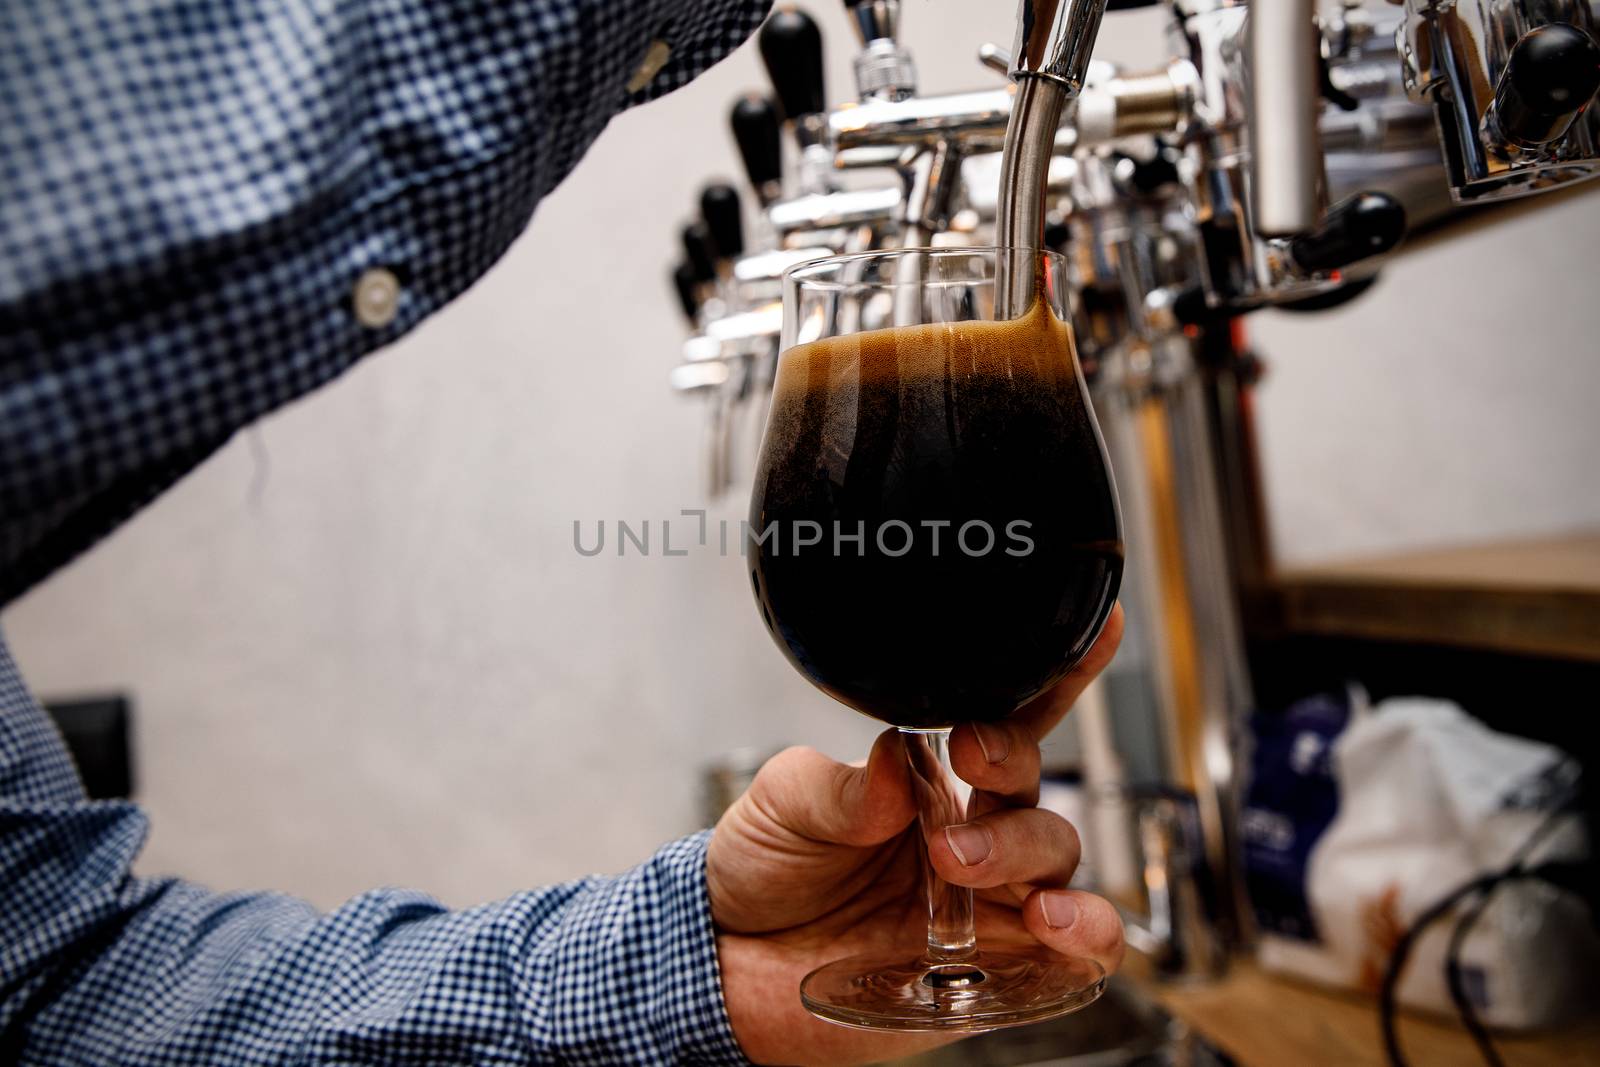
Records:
x=1001, y=759
x=1041, y=714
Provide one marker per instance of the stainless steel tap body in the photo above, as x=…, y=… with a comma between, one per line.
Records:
x=1245, y=266
x=1455, y=53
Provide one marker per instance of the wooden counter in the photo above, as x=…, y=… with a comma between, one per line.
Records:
x=1538, y=597
x=1266, y=1021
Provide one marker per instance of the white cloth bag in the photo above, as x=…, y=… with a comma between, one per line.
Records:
x=1430, y=798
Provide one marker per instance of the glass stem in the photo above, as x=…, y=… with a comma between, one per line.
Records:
x=940, y=803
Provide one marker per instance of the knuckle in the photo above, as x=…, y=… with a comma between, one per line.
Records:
x=793, y=758
x=1010, y=741
x=1067, y=834
x=1017, y=779
x=1104, y=932
x=1059, y=839
x=785, y=778
x=1031, y=843
x=1024, y=750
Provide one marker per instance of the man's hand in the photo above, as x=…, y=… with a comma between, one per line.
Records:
x=817, y=861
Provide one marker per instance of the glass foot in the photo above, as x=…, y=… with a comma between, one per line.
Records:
x=992, y=990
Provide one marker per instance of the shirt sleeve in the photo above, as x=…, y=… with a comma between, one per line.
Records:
x=195, y=192
x=97, y=966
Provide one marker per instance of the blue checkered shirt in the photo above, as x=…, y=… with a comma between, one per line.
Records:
x=189, y=192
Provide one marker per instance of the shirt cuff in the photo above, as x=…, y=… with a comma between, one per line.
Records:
x=692, y=1010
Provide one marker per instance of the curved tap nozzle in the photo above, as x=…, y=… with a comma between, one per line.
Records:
x=1055, y=39
x=1049, y=63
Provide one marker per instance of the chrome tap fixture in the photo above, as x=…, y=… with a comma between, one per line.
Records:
x=1261, y=219
x=1289, y=192
x=1260, y=190
x=1279, y=107
x=1049, y=62
x=1055, y=41
x=1276, y=159
x=884, y=70
x=1374, y=136
x=1511, y=82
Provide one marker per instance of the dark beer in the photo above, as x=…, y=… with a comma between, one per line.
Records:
x=934, y=534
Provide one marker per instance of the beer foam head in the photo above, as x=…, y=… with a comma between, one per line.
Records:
x=1037, y=345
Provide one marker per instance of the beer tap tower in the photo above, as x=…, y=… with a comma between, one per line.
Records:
x=1275, y=160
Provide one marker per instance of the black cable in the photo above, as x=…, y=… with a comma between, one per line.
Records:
x=1402, y=954
x=1402, y=950
x=1458, y=989
x=1465, y=1011
x=1548, y=825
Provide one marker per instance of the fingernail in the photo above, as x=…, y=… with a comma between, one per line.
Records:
x=970, y=842
x=1059, y=910
x=994, y=742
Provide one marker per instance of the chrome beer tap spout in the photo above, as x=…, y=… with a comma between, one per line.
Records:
x=1049, y=62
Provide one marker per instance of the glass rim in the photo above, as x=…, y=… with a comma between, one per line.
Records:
x=798, y=273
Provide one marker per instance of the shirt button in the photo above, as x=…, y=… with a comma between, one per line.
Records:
x=655, y=57
x=377, y=298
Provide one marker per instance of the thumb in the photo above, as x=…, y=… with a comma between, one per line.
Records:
x=807, y=794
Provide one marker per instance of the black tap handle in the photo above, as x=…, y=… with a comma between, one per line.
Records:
x=1366, y=224
x=1056, y=234
x=683, y=281
x=1550, y=76
x=1129, y=5
x=719, y=207
x=700, y=251
x=755, y=131
x=791, y=47
x=1152, y=174
x=1147, y=176
x=1332, y=298
x=1191, y=308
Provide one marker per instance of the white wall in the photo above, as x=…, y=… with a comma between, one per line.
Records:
x=1455, y=401
x=365, y=651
